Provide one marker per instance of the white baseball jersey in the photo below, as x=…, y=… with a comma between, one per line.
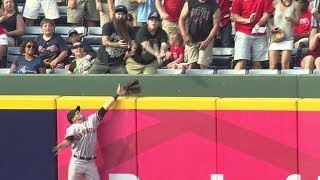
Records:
x=85, y=136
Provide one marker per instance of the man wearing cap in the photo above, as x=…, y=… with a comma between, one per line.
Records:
x=78, y=9
x=117, y=44
x=203, y=25
x=82, y=136
x=74, y=36
x=151, y=47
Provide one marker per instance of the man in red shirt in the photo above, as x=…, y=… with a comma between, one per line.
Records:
x=251, y=44
x=302, y=31
x=170, y=11
x=225, y=24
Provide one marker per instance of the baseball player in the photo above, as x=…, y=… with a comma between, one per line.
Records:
x=82, y=136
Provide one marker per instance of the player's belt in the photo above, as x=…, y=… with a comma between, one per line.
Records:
x=85, y=158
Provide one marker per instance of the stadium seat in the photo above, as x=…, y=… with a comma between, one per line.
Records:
x=31, y=32
x=12, y=54
x=222, y=58
x=4, y=70
x=263, y=71
x=59, y=71
x=295, y=71
x=199, y=71
x=95, y=48
x=62, y=21
x=170, y=71
x=232, y=71
x=297, y=55
x=94, y=35
x=316, y=71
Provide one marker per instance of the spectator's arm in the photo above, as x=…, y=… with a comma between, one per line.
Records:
x=313, y=39
x=296, y=20
x=107, y=42
x=110, y=6
x=98, y=5
x=315, y=14
x=239, y=19
x=162, y=13
x=264, y=19
x=182, y=23
x=147, y=46
x=20, y=27
x=216, y=25
x=12, y=68
x=63, y=55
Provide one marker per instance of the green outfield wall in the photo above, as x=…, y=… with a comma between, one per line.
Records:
x=165, y=85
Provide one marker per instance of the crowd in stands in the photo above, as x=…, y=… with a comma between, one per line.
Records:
x=142, y=36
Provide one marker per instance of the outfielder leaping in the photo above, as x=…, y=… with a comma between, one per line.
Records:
x=82, y=135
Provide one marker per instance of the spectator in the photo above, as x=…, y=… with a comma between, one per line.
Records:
x=12, y=21
x=203, y=25
x=82, y=62
x=131, y=24
x=286, y=15
x=312, y=58
x=78, y=10
x=225, y=30
x=169, y=11
x=151, y=47
x=52, y=47
x=117, y=45
x=29, y=63
x=32, y=8
x=175, y=55
x=145, y=7
x=251, y=46
x=302, y=31
x=74, y=36
x=103, y=8
x=3, y=43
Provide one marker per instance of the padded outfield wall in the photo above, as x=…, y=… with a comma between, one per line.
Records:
x=156, y=138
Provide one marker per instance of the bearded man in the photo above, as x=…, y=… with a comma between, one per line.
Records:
x=116, y=46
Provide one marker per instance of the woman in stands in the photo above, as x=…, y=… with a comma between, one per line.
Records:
x=52, y=47
x=286, y=15
x=29, y=63
x=82, y=62
x=312, y=59
x=12, y=21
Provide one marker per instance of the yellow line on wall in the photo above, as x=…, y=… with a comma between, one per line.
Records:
x=27, y=102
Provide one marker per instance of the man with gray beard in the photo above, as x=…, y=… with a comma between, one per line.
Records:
x=116, y=46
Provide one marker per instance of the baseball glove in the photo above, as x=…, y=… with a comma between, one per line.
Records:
x=132, y=87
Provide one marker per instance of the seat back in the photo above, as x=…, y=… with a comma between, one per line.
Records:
x=295, y=71
x=222, y=57
x=263, y=71
x=199, y=71
x=232, y=71
x=4, y=70
x=12, y=54
x=169, y=71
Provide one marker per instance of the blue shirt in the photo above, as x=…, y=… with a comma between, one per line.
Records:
x=24, y=66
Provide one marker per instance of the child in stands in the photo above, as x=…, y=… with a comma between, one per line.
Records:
x=175, y=56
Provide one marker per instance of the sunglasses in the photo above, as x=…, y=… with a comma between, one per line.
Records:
x=77, y=46
x=30, y=46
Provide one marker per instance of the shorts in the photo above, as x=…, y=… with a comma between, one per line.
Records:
x=49, y=7
x=192, y=54
x=280, y=46
x=169, y=27
x=3, y=39
x=104, y=14
x=84, y=8
x=136, y=68
x=248, y=47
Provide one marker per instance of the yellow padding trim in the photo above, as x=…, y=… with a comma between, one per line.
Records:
x=94, y=102
x=276, y=104
x=27, y=102
x=177, y=103
x=309, y=104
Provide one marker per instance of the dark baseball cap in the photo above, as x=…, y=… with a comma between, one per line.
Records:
x=72, y=31
x=72, y=113
x=154, y=15
x=121, y=8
